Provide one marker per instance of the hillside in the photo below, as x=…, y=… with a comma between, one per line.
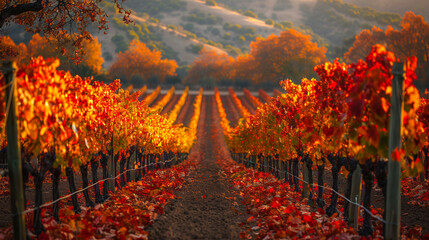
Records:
x=178, y=41
x=277, y=10
x=232, y=25
x=228, y=29
x=330, y=22
x=172, y=43
x=420, y=7
x=180, y=28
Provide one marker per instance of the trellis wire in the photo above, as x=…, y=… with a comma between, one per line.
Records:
x=339, y=194
x=81, y=190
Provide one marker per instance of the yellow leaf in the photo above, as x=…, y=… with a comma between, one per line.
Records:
x=29, y=115
x=385, y=105
x=72, y=225
x=123, y=230
x=69, y=111
x=43, y=130
x=80, y=225
x=344, y=171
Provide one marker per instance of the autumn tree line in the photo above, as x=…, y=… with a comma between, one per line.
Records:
x=290, y=55
x=138, y=60
x=293, y=55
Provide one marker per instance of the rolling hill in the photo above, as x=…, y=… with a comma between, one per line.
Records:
x=230, y=26
x=180, y=28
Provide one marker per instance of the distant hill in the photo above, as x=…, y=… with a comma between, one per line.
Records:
x=333, y=23
x=172, y=43
x=233, y=24
x=180, y=28
x=420, y=7
x=212, y=24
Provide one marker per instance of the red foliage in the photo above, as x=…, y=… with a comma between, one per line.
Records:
x=416, y=191
x=124, y=215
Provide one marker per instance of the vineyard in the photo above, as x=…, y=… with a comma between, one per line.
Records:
x=314, y=160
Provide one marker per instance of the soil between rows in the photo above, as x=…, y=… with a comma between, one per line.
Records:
x=207, y=207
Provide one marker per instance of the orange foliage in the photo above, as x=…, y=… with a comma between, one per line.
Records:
x=140, y=60
x=58, y=19
x=211, y=64
x=290, y=55
x=48, y=48
x=39, y=46
x=93, y=56
x=411, y=40
x=222, y=113
x=243, y=111
x=167, y=97
x=364, y=42
x=12, y=52
x=252, y=99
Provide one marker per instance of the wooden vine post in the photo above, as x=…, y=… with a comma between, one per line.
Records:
x=133, y=160
x=111, y=166
x=393, y=199
x=305, y=186
x=355, y=196
x=14, y=153
x=282, y=169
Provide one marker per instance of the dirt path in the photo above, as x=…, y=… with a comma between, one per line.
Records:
x=207, y=207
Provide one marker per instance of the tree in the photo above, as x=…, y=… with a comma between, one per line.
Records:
x=211, y=2
x=291, y=55
x=56, y=17
x=88, y=64
x=140, y=60
x=364, y=42
x=412, y=40
x=12, y=52
x=211, y=65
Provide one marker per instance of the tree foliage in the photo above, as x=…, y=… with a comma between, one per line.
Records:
x=140, y=60
x=291, y=55
x=87, y=64
x=211, y=64
x=412, y=40
x=48, y=47
x=57, y=17
x=10, y=51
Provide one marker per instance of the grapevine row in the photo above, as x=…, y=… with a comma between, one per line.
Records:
x=161, y=103
x=152, y=96
x=223, y=119
x=243, y=111
x=264, y=95
x=67, y=123
x=172, y=116
x=254, y=100
x=341, y=121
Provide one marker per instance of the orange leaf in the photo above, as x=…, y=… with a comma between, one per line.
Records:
x=397, y=154
x=250, y=219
